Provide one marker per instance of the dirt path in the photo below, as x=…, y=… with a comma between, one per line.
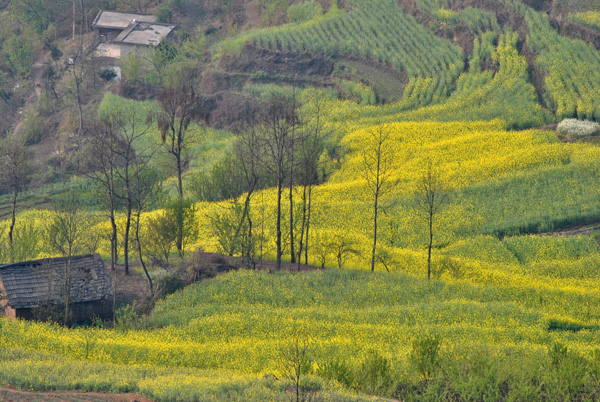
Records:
x=13, y=395
x=578, y=230
x=37, y=72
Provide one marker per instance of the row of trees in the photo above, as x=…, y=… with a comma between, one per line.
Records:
x=281, y=147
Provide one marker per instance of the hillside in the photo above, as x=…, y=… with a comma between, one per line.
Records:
x=450, y=147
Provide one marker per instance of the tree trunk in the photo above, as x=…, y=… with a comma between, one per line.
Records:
x=376, y=210
x=68, y=287
x=249, y=256
x=430, y=244
x=242, y=219
x=12, y=224
x=113, y=237
x=139, y=246
x=179, y=176
x=308, y=223
x=292, y=253
x=300, y=242
x=279, y=186
x=179, y=241
x=126, y=237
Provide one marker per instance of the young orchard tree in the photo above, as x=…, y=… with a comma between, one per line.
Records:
x=432, y=196
x=17, y=169
x=377, y=164
x=278, y=120
x=294, y=362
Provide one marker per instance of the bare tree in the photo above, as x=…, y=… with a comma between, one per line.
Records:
x=68, y=233
x=248, y=155
x=377, y=164
x=294, y=361
x=181, y=104
x=433, y=194
x=311, y=147
x=145, y=186
x=278, y=119
x=131, y=129
x=17, y=169
x=104, y=163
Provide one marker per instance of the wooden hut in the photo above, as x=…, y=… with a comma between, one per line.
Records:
x=36, y=289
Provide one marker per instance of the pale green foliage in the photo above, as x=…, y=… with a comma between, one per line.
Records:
x=134, y=66
x=19, y=54
x=194, y=45
x=304, y=12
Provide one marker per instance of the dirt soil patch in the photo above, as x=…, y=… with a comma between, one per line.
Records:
x=387, y=82
x=12, y=395
x=578, y=230
x=278, y=62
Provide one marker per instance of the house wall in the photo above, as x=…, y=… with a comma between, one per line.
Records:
x=104, y=35
x=126, y=49
x=5, y=309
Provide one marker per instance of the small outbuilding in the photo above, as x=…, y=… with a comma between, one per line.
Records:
x=117, y=34
x=32, y=289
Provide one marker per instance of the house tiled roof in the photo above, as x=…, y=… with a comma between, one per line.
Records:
x=32, y=283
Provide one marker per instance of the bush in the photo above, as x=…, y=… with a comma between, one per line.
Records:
x=303, y=12
x=374, y=375
x=337, y=370
x=424, y=356
x=568, y=372
x=161, y=234
x=107, y=75
x=449, y=266
x=33, y=128
x=164, y=14
x=574, y=128
x=169, y=284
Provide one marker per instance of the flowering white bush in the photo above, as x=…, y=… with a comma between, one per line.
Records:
x=578, y=128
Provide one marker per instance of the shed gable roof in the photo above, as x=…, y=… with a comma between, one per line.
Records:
x=114, y=20
x=144, y=33
x=32, y=283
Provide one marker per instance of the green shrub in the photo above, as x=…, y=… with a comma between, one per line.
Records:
x=374, y=375
x=303, y=12
x=337, y=370
x=568, y=372
x=425, y=356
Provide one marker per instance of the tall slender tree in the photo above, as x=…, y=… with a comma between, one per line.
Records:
x=17, y=170
x=68, y=233
x=432, y=196
x=104, y=163
x=181, y=104
x=278, y=118
x=377, y=164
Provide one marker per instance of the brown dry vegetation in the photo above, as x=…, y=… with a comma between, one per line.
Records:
x=11, y=395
